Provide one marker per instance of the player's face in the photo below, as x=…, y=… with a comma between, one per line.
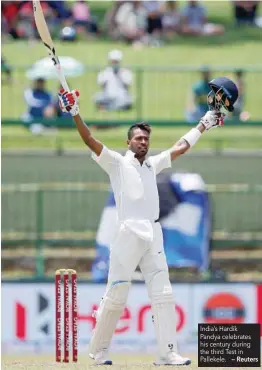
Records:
x=139, y=143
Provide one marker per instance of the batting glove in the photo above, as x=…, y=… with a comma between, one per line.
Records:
x=212, y=119
x=68, y=101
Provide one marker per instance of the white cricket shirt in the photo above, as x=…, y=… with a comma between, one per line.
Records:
x=134, y=185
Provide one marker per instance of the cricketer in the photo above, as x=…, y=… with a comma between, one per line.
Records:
x=139, y=239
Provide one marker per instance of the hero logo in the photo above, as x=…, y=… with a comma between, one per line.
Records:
x=140, y=316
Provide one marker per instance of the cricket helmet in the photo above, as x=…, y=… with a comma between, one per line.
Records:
x=223, y=94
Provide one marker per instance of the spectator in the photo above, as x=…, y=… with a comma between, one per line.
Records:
x=83, y=20
x=171, y=19
x=6, y=71
x=154, y=21
x=110, y=25
x=197, y=104
x=4, y=28
x=239, y=104
x=131, y=21
x=18, y=20
x=26, y=23
x=38, y=101
x=245, y=12
x=10, y=11
x=68, y=33
x=194, y=21
x=62, y=12
x=115, y=82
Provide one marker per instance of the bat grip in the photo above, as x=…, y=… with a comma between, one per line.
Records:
x=62, y=77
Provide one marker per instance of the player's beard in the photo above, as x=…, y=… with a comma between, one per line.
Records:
x=142, y=152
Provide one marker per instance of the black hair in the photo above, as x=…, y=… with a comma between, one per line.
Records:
x=142, y=125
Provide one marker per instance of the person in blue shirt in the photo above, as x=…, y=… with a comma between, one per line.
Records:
x=38, y=101
x=197, y=104
x=195, y=21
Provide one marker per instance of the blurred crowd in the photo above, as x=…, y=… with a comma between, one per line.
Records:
x=152, y=22
x=63, y=21
x=115, y=82
x=137, y=22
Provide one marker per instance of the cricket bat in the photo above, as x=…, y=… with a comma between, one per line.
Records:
x=48, y=42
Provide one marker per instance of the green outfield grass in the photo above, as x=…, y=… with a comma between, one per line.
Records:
x=226, y=137
x=163, y=94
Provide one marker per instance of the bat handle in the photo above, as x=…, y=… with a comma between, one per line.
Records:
x=62, y=78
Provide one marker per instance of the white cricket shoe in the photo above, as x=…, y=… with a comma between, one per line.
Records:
x=101, y=358
x=173, y=359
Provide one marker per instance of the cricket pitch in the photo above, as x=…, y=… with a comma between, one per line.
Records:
x=125, y=362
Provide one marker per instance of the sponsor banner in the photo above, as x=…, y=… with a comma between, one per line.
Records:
x=224, y=303
x=28, y=314
x=32, y=318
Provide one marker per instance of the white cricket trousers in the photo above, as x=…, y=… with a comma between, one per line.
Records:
x=128, y=251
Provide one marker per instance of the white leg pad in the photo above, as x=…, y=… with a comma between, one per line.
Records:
x=164, y=316
x=107, y=316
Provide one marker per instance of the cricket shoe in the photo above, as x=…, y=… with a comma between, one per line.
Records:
x=173, y=359
x=101, y=358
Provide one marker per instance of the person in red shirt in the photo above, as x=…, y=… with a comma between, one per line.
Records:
x=10, y=11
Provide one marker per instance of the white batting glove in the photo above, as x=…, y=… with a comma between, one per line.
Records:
x=68, y=101
x=212, y=119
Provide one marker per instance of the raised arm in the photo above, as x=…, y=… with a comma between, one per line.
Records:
x=185, y=143
x=68, y=102
x=86, y=135
x=210, y=120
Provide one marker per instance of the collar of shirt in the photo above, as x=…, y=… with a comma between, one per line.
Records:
x=131, y=157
